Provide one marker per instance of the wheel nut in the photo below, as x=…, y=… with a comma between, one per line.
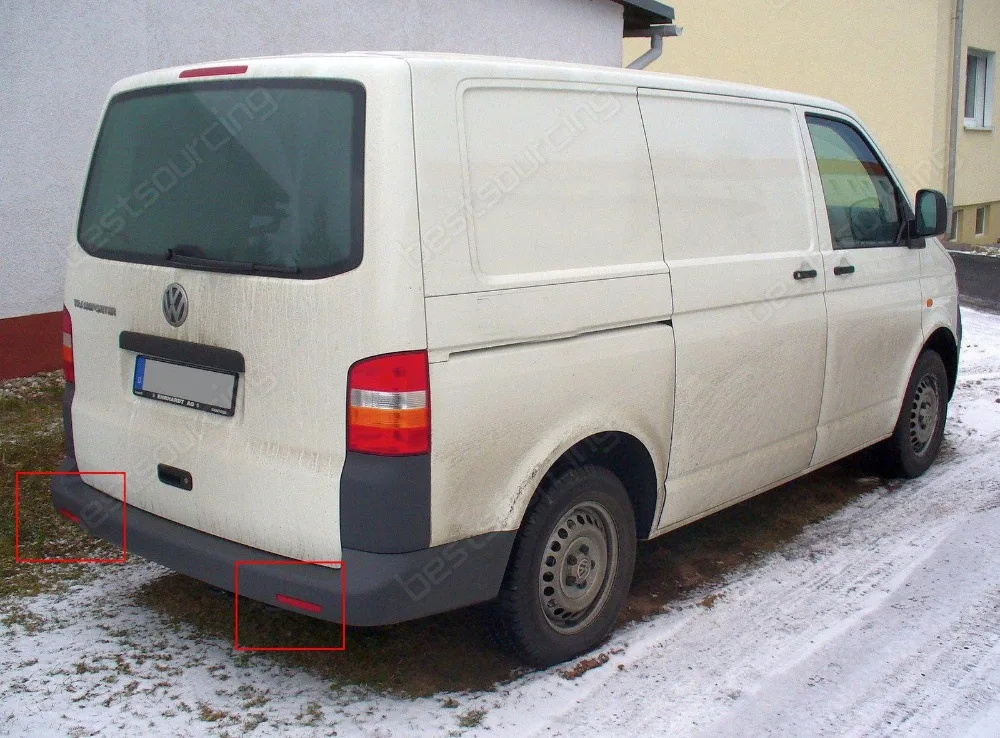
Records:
x=570, y=579
x=571, y=560
x=584, y=549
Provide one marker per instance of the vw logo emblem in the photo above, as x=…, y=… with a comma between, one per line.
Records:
x=175, y=305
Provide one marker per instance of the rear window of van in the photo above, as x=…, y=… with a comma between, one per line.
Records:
x=255, y=176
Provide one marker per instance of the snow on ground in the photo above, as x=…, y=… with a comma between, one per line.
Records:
x=882, y=619
x=982, y=250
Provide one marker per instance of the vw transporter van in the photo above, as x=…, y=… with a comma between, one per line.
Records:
x=446, y=329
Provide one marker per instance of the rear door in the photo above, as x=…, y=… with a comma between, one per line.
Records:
x=248, y=224
x=873, y=295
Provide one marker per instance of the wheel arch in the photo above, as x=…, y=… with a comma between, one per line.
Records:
x=943, y=342
x=625, y=456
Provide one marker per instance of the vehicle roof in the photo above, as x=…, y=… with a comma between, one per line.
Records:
x=495, y=65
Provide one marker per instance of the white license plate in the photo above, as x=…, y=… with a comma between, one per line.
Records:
x=189, y=386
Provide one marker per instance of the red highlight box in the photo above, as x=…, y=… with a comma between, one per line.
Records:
x=70, y=516
x=306, y=607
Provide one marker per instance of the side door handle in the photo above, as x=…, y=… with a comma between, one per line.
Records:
x=849, y=269
x=805, y=274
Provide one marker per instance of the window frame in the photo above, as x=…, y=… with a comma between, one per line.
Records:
x=955, y=224
x=902, y=200
x=359, y=95
x=985, y=210
x=983, y=102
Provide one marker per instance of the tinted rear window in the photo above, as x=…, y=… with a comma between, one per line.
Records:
x=251, y=175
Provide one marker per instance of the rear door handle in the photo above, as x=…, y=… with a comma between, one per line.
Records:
x=805, y=274
x=849, y=269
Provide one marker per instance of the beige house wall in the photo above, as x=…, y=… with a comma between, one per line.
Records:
x=890, y=61
x=978, y=181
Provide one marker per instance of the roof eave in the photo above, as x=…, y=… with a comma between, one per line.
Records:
x=641, y=14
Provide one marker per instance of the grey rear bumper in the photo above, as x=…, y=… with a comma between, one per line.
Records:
x=381, y=588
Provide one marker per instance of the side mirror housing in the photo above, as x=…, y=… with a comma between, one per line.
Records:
x=932, y=214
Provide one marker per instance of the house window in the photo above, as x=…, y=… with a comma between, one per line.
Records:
x=956, y=220
x=980, y=73
x=981, y=217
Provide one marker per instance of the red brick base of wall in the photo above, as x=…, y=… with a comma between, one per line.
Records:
x=30, y=344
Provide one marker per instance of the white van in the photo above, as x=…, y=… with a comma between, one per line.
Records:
x=464, y=329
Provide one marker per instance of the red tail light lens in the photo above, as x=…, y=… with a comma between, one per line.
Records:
x=67, y=346
x=389, y=405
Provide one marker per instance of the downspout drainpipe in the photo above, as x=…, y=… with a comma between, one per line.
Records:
x=956, y=102
x=655, y=34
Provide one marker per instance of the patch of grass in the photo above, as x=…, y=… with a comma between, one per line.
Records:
x=311, y=715
x=14, y=614
x=471, y=719
x=31, y=439
x=709, y=601
x=583, y=666
x=209, y=714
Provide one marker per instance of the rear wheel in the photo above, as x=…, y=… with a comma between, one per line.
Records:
x=570, y=570
x=914, y=444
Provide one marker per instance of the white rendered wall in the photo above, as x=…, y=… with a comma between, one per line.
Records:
x=59, y=57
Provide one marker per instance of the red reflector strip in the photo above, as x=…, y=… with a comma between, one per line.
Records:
x=214, y=71
x=300, y=604
x=69, y=516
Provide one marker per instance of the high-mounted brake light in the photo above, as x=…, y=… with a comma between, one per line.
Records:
x=389, y=405
x=67, y=346
x=214, y=71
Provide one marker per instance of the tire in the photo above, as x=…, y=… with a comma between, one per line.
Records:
x=914, y=444
x=570, y=570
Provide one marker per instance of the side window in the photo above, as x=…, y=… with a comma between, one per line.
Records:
x=864, y=206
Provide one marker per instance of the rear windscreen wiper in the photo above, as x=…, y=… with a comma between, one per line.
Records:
x=221, y=265
x=217, y=265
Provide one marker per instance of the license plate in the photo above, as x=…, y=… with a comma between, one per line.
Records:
x=188, y=386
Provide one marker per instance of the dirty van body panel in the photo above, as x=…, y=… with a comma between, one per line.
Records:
x=937, y=284
x=548, y=300
x=740, y=237
x=874, y=298
x=269, y=476
x=544, y=397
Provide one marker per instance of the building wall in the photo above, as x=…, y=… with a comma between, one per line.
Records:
x=59, y=57
x=879, y=59
x=978, y=181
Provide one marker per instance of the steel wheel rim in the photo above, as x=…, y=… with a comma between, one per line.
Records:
x=924, y=412
x=578, y=567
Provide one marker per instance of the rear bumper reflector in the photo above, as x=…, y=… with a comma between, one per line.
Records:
x=299, y=604
x=69, y=516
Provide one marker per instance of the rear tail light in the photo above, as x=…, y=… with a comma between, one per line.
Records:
x=67, y=346
x=389, y=405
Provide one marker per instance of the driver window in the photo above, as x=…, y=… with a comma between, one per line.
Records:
x=861, y=200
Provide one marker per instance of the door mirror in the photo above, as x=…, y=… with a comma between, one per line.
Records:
x=932, y=214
